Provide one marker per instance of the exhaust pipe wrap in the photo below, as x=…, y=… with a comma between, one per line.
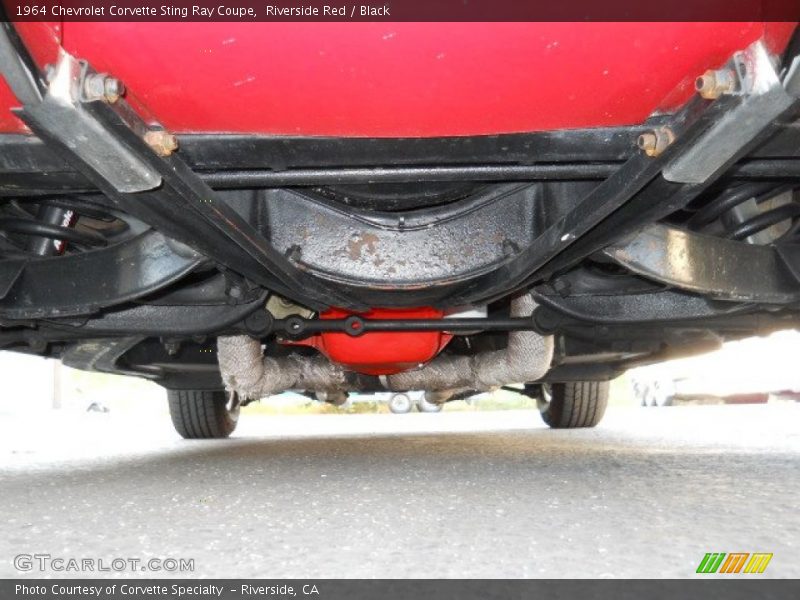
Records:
x=252, y=375
x=527, y=357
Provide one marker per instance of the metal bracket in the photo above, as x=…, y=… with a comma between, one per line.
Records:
x=62, y=112
x=80, y=284
x=406, y=250
x=712, y=266
x=764, y=100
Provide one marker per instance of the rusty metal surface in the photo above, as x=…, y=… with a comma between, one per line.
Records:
x=405, y=250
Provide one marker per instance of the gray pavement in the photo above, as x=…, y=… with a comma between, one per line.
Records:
x=458, y=494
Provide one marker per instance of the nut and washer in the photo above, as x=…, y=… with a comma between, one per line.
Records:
x=656, y=141
x=162, y=142
x=99, y=86
x=713, y=84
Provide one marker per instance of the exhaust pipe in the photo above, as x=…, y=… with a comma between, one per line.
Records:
x=246, y=371
x=526, y=358
x=252, y=375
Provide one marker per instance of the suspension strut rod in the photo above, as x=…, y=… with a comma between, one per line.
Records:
x=297, y=327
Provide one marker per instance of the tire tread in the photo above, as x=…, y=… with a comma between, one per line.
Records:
x=200, y=414
x=576, y=404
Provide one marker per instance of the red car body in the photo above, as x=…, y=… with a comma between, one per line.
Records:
x=396, y=79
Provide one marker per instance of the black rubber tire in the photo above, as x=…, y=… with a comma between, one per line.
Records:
x=202, y=414
x=575, y=404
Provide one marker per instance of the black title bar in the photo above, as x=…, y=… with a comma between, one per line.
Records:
x=397, y=10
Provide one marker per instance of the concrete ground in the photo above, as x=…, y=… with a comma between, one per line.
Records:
x=456, y=494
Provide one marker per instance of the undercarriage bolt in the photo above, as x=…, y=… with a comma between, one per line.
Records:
x=113, y=89
x=99, y=86
x=655, y=142
x=162, y=142
x=713, y=84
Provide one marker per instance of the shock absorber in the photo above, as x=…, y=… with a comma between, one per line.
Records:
x=51, y=225
x=51, y=215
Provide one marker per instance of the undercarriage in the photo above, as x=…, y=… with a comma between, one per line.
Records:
x=327, y=265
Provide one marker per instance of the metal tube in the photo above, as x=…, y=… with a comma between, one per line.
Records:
x=526, y=359
x=356, y=176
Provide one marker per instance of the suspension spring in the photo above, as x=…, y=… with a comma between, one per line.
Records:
x=52, y=226
x=741, y=226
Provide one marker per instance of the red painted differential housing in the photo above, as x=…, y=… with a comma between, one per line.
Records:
x=381, y=353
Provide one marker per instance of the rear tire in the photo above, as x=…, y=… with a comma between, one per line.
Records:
x=574, y=404
x=203, y=414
